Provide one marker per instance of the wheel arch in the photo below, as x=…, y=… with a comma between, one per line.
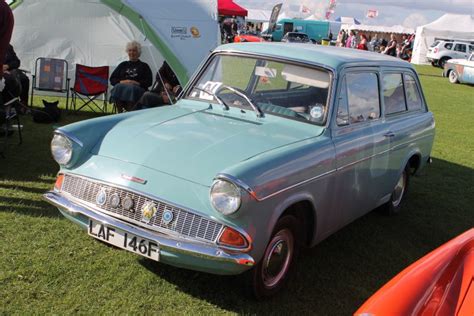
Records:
x=302, y=206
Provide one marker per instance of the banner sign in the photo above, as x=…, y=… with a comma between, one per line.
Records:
x=274, y=17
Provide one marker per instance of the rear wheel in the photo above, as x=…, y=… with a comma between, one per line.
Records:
x=399, y=193
x=443, y=61
x=453, y=76
x=271, y=273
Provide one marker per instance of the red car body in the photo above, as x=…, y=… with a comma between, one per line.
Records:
x=441, y=283
x=247, y=38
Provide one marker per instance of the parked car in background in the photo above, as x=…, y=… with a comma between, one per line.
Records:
x=460, y=70
x=440, y=283
x=442, y=51
x=295, y=37
x=247, y=37
x=270, y=148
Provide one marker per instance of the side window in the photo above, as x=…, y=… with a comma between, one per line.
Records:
x=362, y=97
x=413, y=95
x=460, y=48
x=393, y=94
x=343, y=108
x=448, y=45
x=471, y=49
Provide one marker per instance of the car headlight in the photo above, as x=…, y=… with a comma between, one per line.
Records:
x=61, y=148
x=225, y=196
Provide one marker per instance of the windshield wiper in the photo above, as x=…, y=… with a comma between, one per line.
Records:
x=219, y=100
x=243, y=95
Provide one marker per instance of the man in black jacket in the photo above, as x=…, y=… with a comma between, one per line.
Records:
x=11, y=65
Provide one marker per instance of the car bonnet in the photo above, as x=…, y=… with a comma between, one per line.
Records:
x=199, y=145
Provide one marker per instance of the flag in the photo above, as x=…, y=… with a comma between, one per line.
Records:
x=274, y=17
x=371, y=13
x=330, y=9
x=304, y=9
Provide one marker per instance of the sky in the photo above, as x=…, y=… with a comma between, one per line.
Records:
x=409, y=13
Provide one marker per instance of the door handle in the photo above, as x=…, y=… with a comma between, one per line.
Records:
x=389, y=134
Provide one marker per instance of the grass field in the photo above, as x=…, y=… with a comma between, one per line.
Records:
x=50, y=266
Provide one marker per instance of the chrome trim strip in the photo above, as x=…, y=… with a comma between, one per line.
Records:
x=165, y=242
x=247, y=236
x=70, y=136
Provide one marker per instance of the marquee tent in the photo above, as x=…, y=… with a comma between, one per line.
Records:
x=229, y=7
x=258, y=16
x=95, y=32
x=449, y=26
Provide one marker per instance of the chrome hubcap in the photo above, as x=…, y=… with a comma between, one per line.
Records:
x=453, y=76
x=277, y=258
x=397, y=194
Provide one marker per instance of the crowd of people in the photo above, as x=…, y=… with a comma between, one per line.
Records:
x=393, y=46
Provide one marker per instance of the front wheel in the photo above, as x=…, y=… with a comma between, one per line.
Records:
x=271, y=273
x=453, y=76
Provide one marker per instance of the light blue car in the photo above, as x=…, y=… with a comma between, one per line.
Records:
x=270, y=148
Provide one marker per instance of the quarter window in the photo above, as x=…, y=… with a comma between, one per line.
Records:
x=412, y=93
x=362, y=97
x=393, y=94
x=448, y=45
x=343, y=109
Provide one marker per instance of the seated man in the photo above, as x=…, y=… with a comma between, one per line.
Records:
x=11, y=65
x=166, y=89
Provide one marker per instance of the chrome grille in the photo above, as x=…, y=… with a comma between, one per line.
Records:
x=184, y=222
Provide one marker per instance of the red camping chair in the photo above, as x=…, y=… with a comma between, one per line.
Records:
x=89, y=84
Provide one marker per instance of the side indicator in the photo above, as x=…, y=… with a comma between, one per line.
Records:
x=231, y=237
x=59, y=182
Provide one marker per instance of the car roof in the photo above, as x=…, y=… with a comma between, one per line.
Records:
x=330, y=56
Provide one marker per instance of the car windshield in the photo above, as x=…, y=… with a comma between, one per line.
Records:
x=290, y=90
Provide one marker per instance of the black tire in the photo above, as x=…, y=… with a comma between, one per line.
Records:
x=434, y=64
x=399, y=193
x=443, y=61
x=266, y=280
x=453, y=76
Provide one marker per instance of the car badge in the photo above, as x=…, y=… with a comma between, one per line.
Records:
x=114, y=200
x=101, y=197
x=167, y=217
x=133, y=179
x=148, y=211
x=127, y=204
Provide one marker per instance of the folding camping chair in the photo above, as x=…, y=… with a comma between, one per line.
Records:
x=50, y=74
x=89, y=84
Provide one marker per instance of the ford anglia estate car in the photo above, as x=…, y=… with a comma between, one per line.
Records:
x=271, y=147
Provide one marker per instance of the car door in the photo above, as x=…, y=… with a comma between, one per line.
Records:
x=360, y=142
x=407, y=119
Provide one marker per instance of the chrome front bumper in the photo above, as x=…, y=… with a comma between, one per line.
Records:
x=174, y=251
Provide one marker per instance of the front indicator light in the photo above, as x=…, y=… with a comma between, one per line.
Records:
x=232, y=238
x=59, y=182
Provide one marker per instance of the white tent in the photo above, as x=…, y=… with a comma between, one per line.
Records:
x=95, y=32
x=258, y=16
x=449, y=26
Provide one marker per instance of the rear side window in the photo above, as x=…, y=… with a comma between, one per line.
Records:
x=460, y=48
x=412, y=93
x=393, y=93
x=362, y=97
x=471, y=49
x=448, y=45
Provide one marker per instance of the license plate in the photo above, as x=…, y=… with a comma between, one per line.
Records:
x=124, y=240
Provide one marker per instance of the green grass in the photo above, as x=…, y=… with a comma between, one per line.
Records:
x=48, y=265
